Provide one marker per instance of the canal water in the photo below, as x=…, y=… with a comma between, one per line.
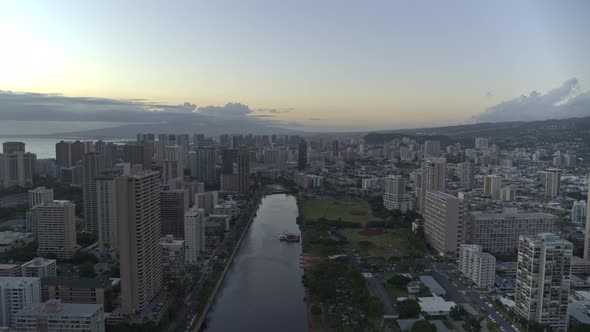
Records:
x=262, y=290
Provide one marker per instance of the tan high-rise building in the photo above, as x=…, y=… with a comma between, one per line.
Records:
x=11, y=147
x=92, y=166
x=138, y=204
x=16, y=169
x=492, y=185
x=543, y=280
x=56, y=228
x=77, y=150
x=194, y=231
x=243, y=169
x=443, y=222
x=433, y=178
x=138, y=154
x=551, y=180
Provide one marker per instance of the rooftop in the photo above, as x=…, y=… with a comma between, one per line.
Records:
x=57, y=308
x=75, y=282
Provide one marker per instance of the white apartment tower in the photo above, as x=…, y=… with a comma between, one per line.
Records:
x=579, y=212
x=432, y=179
x=17, y=293
x=194, y=235
x=477, y=266
x=395, y=197
x=543, y=280
x=40, y=195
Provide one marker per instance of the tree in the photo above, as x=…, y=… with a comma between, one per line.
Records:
x=86, y=270
x=399, y=281
x=582, y=328
x=472, y=324
x=423, y=326
x=457, y=312
x=408, y=309
x=316, y=310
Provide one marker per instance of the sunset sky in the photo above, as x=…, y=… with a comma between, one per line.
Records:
x=324, y=65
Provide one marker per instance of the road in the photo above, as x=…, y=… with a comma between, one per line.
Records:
x=14, y=200
x=460, y=293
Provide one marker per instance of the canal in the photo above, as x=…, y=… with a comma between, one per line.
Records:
x=262, y=290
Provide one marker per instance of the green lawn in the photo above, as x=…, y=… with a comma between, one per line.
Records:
x=347, y=210
x=393, y=242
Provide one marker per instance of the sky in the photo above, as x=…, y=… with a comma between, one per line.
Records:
x=310, y=65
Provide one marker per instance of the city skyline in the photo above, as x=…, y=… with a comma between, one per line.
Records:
x=306, y=66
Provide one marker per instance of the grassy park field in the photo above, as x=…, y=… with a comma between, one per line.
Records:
x=382, y=242
x=347, y=210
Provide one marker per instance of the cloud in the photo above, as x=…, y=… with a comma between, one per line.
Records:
x=316, y=119
x=275, y=110
x=230, y=109
x=235, y=117
x=565, y=101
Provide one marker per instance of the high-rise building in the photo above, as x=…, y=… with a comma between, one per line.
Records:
x=507, y=194
x=433, y=178
x=466, y=175
x=107, y=219
x=228, y=158
x=481, y=143
x=194, y=235
x=335, y=148
x=579, y=212
x=11, y=147
x=243, y=169
x=551, y=180
x=111, y=155
x=138, y=154
x=40, y=195
x=77, y=150
x=492, y=185
x=431, y=149
x=175, y=153
x=587, y=231
x=443, y=222
x=206, y=161
x=543, y=280
x=54, y=315
x=206, y=201
x=302, y=155
x=477, y=266
x=183, y=141
x=138, y=205
x=63, y=154
x=17, y=293
x=17, y=169
x=56, y=228
x=92, y=166
x=173, y=205
x=39, y=267
x=395, y=197
x=173, y=256
x=499, y=232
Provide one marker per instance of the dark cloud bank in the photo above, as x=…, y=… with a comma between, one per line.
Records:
x=566, y=101
x=138, y=115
